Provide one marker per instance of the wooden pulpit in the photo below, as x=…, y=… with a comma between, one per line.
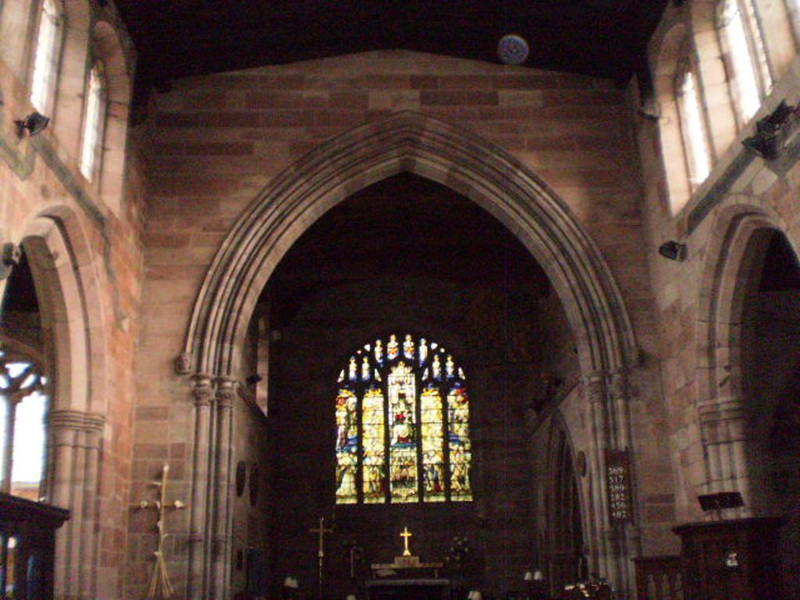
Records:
x=736, y=559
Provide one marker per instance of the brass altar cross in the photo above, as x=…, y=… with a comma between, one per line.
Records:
x=405, y=535
x=160, y=587
x=321, y=530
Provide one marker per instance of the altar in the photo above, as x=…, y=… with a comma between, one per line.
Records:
x=407, y=578
x=408, y=589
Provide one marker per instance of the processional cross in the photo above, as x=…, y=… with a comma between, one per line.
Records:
x=321, y=530
x=160, y=587
x=405, y=535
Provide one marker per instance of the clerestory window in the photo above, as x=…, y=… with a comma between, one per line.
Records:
x=94, y=122
x=45, y=65
x=402, y=425
x=692, y=126
x=23, y=414
x=747, y=57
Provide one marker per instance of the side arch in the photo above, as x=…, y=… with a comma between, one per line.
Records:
x=407, y=142
x=741, y=234
x=67, y=284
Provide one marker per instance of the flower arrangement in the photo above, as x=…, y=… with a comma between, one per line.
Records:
x=459, y=550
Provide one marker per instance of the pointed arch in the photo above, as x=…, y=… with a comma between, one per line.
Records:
x=407, y=142
x=67, y=284
x=741, y=237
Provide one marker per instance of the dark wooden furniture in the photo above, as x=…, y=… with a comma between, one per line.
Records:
x=731, y=560
x=408, y=589
x=27, y=547
x=659, y=578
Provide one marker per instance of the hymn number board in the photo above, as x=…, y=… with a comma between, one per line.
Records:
x=618, y=475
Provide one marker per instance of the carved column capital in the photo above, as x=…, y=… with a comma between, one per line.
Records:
x=202, y=389
x=226, y=391
x=65, y=418
x=726, y=408
x=594, y=385
x=617, y=384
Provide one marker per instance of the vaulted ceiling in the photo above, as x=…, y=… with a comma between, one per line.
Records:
x=176, y=38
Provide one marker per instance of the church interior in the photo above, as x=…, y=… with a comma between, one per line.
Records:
x=421, y=300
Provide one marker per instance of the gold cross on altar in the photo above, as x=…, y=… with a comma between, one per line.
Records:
x=405, y=535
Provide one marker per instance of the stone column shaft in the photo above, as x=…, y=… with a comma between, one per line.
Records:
x=220, y=559
x=76, y=438
x=203, y=395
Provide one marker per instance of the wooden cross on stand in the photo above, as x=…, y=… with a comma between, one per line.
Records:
x=160, y=586
x=405, y=535
x=321, y=530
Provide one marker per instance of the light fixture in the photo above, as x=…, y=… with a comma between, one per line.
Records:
x=290, y=582
x=673, y=250
x=34, y=123
x=253, y=379
x=773, y=131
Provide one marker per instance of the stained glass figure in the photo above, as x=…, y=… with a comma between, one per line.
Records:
x=346, y=447
x=423, y=351
x=365, y=370
x=408, y=347
x=459, y=444
x=432, y=426
x=402, y=429
x=374, y=449
x=402, y=434
x=353, y=369
x=392, y=348
x=436, y=368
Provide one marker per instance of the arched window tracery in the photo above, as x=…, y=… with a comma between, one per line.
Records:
x=23, y=413
x=402, y=425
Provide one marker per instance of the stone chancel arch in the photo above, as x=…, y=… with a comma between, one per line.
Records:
x=282, y=212
x=407, y=142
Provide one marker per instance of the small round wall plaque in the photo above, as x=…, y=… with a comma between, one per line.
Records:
x=513, y=49
x=241, y=475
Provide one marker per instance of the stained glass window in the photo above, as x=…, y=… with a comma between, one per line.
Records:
x=402, y=425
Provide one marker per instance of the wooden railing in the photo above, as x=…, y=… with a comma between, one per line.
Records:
x=659, y=578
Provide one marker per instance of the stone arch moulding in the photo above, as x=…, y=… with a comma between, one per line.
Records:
x=67, y=284
x=275, y=219
x=407, y=142
x=740, y=235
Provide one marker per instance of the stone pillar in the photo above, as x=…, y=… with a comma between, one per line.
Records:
x=607, y=405
x=221, y=546
x=629, y=541
x=723, y=423
x=203, y=396
x=77, y=438
x=93, y=436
